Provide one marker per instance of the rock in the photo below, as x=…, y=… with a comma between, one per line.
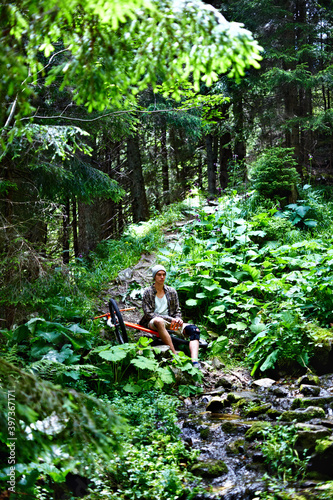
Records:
x=322, y=359
x=188, y=401
x=236, y=446
x=217, y=364
x=264, y=382
x=257, y=410
x=234, y=397
x=303, y=415
x=125, y=275
x=204, y=432
x=322, y=459
x=236, y=426
x=309, y=390
x=217, y=404
x=210, y=468
x=308, y=435
x=255, y=430
x=308, y=379
x=223, y=382
x=279, y=392
x=315, y=401
x=181, y=377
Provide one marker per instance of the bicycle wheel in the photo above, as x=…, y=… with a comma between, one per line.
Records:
x=118, y=322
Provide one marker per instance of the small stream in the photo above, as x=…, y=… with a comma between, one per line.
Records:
x=221, y=423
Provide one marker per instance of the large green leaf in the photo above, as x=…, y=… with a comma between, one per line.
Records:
x=145, y=363
x=191, y=302
x=113, y=354
x=270, y=360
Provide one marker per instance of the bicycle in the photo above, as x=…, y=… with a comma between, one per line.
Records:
x=116, y=322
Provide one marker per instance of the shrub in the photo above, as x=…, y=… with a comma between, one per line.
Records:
x=274, y=174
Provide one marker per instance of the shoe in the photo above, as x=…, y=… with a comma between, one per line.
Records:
x=196, y=364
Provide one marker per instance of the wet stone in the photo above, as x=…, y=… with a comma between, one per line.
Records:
x=257, y=410
x=204, y=432
x=235, y=426
x=308, y=379
x=234, y=397
x=308, y=434
x=223, y=382
x=303, y=415
x=210, y=468
x=217, y=404
x=236, y=446
x=264, y=382
x=255, y=430
x=309, y=390
x=279, y=392
x=315, y=401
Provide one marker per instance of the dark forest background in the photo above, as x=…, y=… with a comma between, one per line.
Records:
x=76, y=176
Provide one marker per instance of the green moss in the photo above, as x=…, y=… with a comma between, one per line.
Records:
x=303, y=416
x=210, y=468
x=257, y=410
x=323, y=444
x=204, y=432
x=255, y=430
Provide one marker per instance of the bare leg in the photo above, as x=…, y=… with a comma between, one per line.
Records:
x=164, y=334
x=194, y=349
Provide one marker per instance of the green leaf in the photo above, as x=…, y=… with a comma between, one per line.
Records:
x=145, y=363
x=77, y=329
x=311, y=223
x=166, y=375
x=191, y=302
x=270, y=361
x=114, y=354
x=238, y=326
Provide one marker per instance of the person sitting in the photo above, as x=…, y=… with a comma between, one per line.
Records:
x=161, y=309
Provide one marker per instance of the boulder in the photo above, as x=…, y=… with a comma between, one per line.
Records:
x=309, y=434
x=210, y=468
x=322, y=458
x=303, y=415
x=264, y=382
x=217, y=404
x=309, y=390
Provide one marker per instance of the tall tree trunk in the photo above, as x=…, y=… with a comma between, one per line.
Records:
x=211, y=168
x=140, y=209
x=225, y=158
x=74, y=228
x=65, y=231
x=165, y=167
x=240, y=144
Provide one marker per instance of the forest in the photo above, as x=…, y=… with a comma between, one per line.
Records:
x=196, y=135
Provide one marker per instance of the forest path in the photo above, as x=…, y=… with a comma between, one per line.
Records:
x=127, y=287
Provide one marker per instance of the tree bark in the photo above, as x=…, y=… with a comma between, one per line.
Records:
x=140, y=211
x=165, y=167
x=225, y=158
x=211, y=168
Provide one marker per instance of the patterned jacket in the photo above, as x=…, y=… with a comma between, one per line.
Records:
x=148, y=304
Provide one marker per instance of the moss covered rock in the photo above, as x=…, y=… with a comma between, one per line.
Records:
x=255, y=430
x=210, y=468
x=303, y=415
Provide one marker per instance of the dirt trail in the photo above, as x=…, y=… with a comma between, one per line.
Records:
x=136, y=278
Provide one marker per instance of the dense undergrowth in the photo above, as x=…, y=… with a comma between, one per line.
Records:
x=255, y=276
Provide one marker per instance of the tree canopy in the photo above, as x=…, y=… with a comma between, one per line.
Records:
x=107, y=51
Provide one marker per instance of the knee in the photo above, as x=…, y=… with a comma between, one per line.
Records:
x=192, y=331
x=158, y=322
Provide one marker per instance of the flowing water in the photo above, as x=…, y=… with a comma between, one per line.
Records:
x=231, y=463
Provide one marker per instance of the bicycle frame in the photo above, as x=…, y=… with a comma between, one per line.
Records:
x=136, y=326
